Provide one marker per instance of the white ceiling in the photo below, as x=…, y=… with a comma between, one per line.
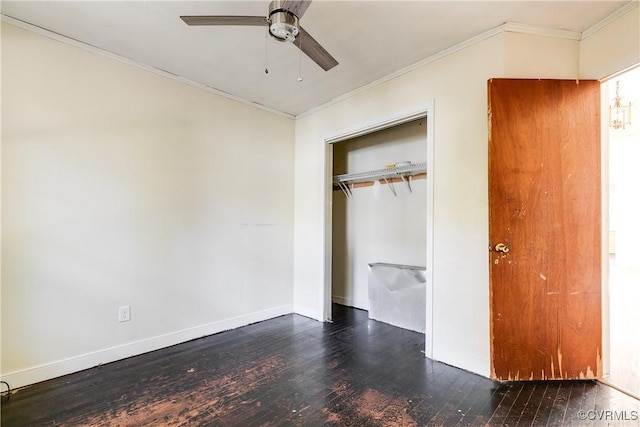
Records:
x=370, y=39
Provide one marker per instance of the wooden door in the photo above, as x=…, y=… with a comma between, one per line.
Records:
x=545, y=207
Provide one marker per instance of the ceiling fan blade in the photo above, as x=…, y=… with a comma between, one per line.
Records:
x=313, y=50
x=297, y=7
x=225, y=20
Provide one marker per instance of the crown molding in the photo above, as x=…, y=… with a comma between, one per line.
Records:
x=443, y=53
x=93, y=49
x=511, y=27
x=514, y=27
x=609, y=19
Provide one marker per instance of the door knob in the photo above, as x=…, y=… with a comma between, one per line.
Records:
x=501, y=247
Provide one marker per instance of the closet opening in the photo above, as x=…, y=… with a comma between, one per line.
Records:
x=379, y=224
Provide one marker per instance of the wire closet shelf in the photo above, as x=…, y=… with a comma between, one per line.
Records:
x=403, y=171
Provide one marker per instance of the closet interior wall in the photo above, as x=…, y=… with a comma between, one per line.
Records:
x=376, y=225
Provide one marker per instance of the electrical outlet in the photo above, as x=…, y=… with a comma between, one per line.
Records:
x=124, y=313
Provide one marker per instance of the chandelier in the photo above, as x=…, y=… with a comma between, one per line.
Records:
x=619, y=112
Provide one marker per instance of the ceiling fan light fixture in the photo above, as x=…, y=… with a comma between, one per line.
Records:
x=284, y=26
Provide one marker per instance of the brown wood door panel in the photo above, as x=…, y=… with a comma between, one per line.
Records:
x=545, y=205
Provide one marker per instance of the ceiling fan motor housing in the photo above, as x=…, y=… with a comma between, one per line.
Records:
x=283, y=24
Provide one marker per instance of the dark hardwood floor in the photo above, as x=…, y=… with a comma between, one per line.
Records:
x=295, y=371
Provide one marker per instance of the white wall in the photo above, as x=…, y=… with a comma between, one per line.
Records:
x=612, y=48
x=122, y=187
x=374, y=225
x=537, y=56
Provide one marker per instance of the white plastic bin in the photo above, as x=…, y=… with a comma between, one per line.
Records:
x=397, y=295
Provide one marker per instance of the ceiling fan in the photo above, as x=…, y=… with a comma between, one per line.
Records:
x=283, y=22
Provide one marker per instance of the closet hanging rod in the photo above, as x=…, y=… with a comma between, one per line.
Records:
x=401, y=171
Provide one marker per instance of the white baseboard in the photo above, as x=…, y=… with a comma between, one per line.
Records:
x=348, y=302
x=468, y=362
x=340, y=300
x=85, y=361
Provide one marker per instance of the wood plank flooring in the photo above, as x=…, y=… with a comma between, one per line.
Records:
x=296, y=371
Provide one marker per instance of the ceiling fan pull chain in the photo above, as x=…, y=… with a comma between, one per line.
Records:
x=266, y=52
x=300, y=63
